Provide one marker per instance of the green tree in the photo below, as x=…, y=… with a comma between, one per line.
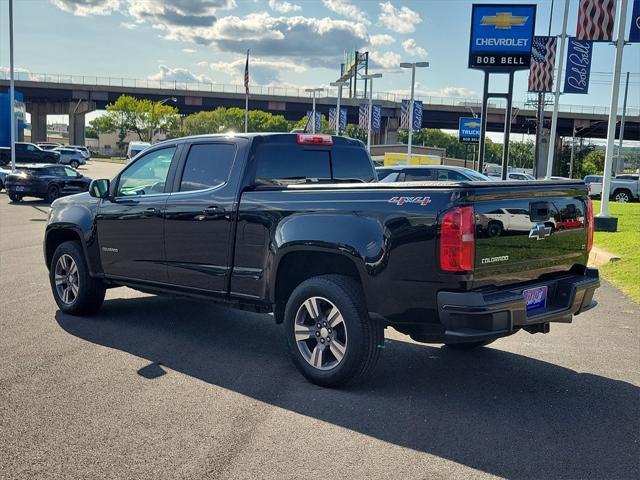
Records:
x=232, y=120
x=521, y=154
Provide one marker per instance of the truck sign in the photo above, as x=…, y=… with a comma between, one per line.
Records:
x=501, y=37
x=469, y=130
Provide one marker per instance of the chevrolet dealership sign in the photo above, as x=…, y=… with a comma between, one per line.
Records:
x=501, y=37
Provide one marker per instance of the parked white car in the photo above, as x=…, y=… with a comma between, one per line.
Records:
x=70, y=156
x=135, y=148
x=624, y=188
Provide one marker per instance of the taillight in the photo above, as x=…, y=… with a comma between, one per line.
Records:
x=312, y=139
x=590, y=222
x=457, y=240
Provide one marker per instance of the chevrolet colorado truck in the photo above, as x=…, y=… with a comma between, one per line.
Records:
x=295, y=224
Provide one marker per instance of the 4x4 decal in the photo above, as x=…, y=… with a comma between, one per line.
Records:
x=402, y=200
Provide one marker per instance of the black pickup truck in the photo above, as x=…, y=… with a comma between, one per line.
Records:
x=296, y=225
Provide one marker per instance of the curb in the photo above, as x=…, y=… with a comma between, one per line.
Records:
x=599, y=257
x=110, y=160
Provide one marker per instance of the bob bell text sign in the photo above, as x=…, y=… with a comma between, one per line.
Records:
x=501, y=37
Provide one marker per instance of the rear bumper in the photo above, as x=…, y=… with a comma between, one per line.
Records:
x=477, y=316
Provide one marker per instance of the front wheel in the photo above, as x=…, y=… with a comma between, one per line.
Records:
x=331, y=338
x=74, y=164
x=74, y=290
x=53, y=193
x=622, y=196
x=15, y=198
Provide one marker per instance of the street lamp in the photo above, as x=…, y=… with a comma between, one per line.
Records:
x=153, y=113
x=412, y=66
x=370, y=77
x=338, y=84
x=313, y=110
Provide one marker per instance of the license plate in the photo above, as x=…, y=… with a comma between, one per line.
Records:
x=535, y=297
x=19, y=189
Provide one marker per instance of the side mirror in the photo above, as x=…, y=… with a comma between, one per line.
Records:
x=99, y=188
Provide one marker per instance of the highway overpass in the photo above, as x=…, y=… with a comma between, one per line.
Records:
x=77, y=95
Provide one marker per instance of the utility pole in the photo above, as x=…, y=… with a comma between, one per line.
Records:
x=338, y=84
x=368, y=78
x=412, y=66
x=556, y=100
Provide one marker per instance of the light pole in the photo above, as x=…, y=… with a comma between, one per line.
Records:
x=412, y=66
x=370, y=77
x=313, y=109
x=338, y=84
x=153, y=113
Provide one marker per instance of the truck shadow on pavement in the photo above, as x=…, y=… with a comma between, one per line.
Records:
x=492, y=410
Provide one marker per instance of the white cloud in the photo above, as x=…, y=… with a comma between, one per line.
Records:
x=346, y=9
x=83, y=8
x=128, y=26
x=180, y=13
x=19, y=73
x=412, y=48
x=456, y=92
x=385, y=60
x=381, y=39
x=189, y=50
x=261, y=71
x=178, y=75
x=283, y=7
x=402, y=20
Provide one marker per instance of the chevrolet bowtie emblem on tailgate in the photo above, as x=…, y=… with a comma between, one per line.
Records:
x=504, y=20
x=540, y=232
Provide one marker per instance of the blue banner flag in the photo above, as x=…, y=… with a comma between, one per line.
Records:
x=308, y=128
x=634, y=33
x=469, y=130
x=343, y=119
x=376, y=118
x=404, y=114
x=417, y=115
x=363, y=116
x=576, y=80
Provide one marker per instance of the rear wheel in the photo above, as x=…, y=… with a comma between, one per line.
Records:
x=469, y=345
x=331, y=338
x=53, y=193
x=74, y=164
x=15, y=198
x=74, y=290
x=494, y=229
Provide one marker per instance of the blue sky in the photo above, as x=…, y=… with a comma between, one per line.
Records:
x=294, y=42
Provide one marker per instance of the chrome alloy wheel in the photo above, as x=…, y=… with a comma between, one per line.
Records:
x=321, y=334
x=66, y=279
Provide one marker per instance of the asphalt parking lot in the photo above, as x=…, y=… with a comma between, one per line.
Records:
x=161, y=388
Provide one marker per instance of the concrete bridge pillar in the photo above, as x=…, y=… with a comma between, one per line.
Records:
x=76, y=128
x=38, y=127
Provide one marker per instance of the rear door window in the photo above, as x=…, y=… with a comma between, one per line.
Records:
x=351, y=165
x=208, y=165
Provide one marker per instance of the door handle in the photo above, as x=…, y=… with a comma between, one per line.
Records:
x=151, y=211
x=213, y=211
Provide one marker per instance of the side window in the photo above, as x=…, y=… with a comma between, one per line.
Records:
x=70, y=172
x=31, y=148
x=147, y=175
x=352, y=164
x=418, y=175
x=279, y=165
x=207, y=165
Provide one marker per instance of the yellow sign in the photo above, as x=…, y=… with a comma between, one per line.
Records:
x=504, y=20
x=391, y=159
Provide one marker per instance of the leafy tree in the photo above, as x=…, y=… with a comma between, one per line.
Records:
x=232, y=120
x=521, y=154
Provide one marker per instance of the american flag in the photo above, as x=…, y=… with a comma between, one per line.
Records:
x=595, y=20
x=363, y=116
x=404, y=114
x=543, y=58
x=246, y=75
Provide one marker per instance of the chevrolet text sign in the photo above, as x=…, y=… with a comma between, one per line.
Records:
x=469, y=130
x=501, y=37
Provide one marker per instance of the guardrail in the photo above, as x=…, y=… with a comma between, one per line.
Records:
x=174, y=85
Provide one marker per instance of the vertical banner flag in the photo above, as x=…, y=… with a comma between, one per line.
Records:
x=417, y=115
x=332, y=119
x=404, y=115
x=308, y=128
x=246, y=75
x=543, y=58
x=376, y=118
x=576, y=80
x=363, y=116
x=595, y=20
x=343, y=119
x=634, y=33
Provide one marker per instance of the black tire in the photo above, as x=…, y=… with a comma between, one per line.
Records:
x=53, y=193
x=622, y=195
x=469, y=345
x=1, y=186
x=364, y=337
x=74, y=164
x=15, y=198
x=494, y=229
x=90, y=292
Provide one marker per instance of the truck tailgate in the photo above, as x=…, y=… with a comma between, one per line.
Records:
x=527, y=229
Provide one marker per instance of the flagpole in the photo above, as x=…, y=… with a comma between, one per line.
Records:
x=613, y=116
x=556, y=101
x=12, y=91
x=246, y=94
